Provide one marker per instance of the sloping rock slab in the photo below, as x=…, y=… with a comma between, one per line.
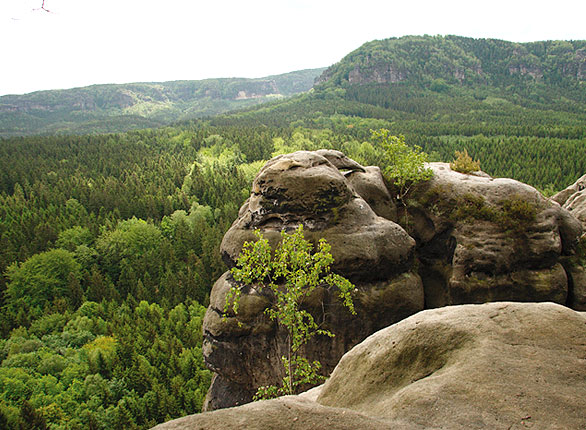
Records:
x=289, y=412
x=492, y=366
x=489, y=366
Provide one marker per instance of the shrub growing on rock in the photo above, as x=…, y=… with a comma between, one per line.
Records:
x=464, y=163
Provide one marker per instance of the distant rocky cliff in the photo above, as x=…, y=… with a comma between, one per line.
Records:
x=463, y=239
x=459, y=60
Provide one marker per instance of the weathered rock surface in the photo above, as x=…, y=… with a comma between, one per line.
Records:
x=573, y=199
x=472, y=239
x=290, y=412
x=313, y=189
x=371, y=187
x=306, y=188
x=492, y=366
x=482, y=239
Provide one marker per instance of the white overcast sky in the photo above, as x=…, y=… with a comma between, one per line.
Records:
x=84, y=42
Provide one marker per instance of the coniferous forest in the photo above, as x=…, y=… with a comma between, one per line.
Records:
x=109, y=243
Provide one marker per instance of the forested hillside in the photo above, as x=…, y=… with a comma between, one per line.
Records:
x=115, y=108
x=109, y=243
x=538, y=74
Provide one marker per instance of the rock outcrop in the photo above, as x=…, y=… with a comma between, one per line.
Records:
x=482, y=239
x=467, y=239
x=497, y=365
x=573, y=199
x=306, y=188
x=313, y=189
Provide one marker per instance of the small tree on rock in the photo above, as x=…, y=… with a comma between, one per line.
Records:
x=291, y=274
x=402, y=165
x=464, y=163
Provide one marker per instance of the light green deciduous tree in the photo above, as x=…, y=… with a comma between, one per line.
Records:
x=402, y=165
x=291, y=274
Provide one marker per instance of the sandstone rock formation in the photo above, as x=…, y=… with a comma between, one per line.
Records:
x=310, y=188
x=469, y=239
x=306, y=188
x=482, y=239
x=497, y=365
x=573, y=199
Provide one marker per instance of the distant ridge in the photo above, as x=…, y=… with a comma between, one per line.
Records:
x=420, y=82
x=122, y=107
x=460, y=60
x=413, y=78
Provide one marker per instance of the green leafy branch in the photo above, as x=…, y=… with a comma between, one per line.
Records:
x=291, y=274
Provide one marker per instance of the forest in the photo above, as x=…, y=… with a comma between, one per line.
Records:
x=109, y=243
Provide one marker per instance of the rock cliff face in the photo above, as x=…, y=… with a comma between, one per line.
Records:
x=463, y=239
x=496, y=365
x=573, y=199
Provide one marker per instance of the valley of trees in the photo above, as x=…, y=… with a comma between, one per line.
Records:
x=109, y=243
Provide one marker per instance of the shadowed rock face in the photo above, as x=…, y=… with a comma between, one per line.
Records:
x=490, y=366
x=474, y=239
x=573, y=199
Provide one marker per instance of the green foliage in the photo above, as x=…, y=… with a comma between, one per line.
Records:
x=133, y=243
x=41, y=279
x=464, y=163
x=73, y=237
x=146, y=370
x=292, y=274
x=402, y=165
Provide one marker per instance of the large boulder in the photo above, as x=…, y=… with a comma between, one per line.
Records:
x=496, y=365
x=482, y=239
x=313, y=189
